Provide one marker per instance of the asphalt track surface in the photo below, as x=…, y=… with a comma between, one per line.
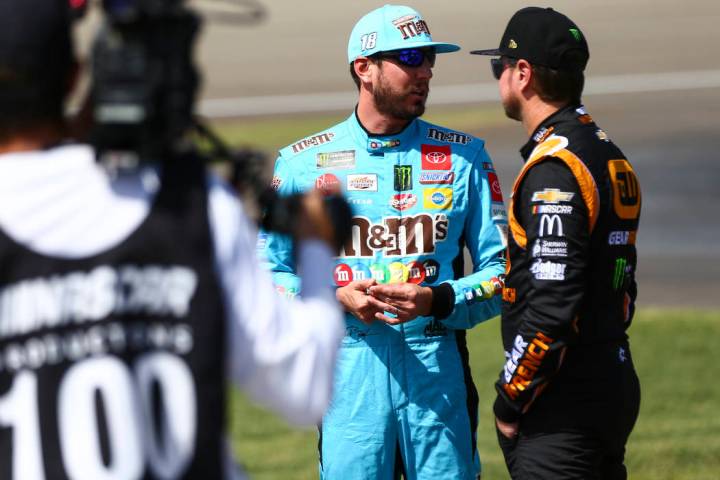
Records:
x=653, y=86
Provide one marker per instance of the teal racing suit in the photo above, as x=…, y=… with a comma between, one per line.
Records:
x=404, y=399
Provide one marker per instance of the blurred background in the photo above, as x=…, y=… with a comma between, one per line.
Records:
x=653, y=84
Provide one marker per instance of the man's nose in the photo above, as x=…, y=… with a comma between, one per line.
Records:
x=425, y=70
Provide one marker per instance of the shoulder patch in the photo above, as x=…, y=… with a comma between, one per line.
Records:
x=448, y=136
x=312, y=141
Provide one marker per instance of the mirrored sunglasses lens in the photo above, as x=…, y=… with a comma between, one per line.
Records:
x=411, y=58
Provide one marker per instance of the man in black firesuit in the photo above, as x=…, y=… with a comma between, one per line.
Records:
x=568, y=395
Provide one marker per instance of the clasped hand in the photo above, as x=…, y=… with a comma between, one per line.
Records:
x=369, y=301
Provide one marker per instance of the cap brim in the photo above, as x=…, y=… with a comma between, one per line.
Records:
x=493, y=52
x=440, y=47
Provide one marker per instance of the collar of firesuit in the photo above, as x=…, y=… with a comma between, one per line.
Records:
x=380, y=144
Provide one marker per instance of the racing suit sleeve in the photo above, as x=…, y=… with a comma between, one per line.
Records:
x=282, y=352
x=278, y=250
x=485, y=237
x=550, y=208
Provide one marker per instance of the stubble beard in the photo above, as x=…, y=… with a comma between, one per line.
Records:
x=512, y=107
x=395, y=104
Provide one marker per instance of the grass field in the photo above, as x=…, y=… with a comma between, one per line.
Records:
x=677, y=436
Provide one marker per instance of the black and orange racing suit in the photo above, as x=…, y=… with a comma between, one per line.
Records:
x=569, y=298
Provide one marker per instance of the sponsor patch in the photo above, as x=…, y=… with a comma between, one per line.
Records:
x=313, y=141
x=382, y=144
x=416, y=272
x=450, y=137
x=622, y=237
x=276, y=182
x=411, y=26
x=602, y=135
x=548, y=270
x=552, y=195
x=327, y=182
x=559, y=209
x=547, y=248
x=362, y=182
x=585, y=119
x=437, y=198
x=437, y=178
x=550, y=225
x=495, y=191
x=626, y=189
x=432, y=271
x=342, y=274
x=359, y=201
x=402, y=178
x=522, y=363
x=623, y=273
x=398, y=272
x=498, y=212
x=399, y=236
x=403, y=201
x=341, y=159
x=436, y=157
x=542, y=134
x=380, y=273
x=360, y=272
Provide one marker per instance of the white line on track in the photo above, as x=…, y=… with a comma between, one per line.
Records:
x=452, y=94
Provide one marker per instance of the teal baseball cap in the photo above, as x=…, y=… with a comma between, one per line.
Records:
x=392, y=27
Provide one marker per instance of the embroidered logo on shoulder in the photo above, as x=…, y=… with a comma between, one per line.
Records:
x=549, y=146
x=552, y=195
x=495, y=191
x=313, y=141
x=602, y=135
x=451, y=137
x=341, y=159
x=542, y=134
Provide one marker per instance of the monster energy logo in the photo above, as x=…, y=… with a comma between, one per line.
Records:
x=403, y=177
x=619, y=279
x=576, y=33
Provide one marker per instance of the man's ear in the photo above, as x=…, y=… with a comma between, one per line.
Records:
x=362, y=69
x=524, y=73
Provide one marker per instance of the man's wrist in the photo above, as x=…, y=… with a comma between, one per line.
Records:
x=443, y=301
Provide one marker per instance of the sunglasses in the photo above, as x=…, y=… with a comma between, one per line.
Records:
x=498, y=66
x=411, y=57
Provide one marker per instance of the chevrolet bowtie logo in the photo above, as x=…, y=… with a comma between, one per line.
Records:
x=552, y=195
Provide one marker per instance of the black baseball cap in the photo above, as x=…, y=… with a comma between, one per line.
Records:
x=543, y=36
x=35, y=36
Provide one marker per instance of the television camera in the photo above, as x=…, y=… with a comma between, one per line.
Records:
x=144, y=88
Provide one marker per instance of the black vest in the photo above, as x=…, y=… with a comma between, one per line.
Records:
x=112, y=366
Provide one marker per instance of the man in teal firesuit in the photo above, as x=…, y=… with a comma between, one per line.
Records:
x=404, y=400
